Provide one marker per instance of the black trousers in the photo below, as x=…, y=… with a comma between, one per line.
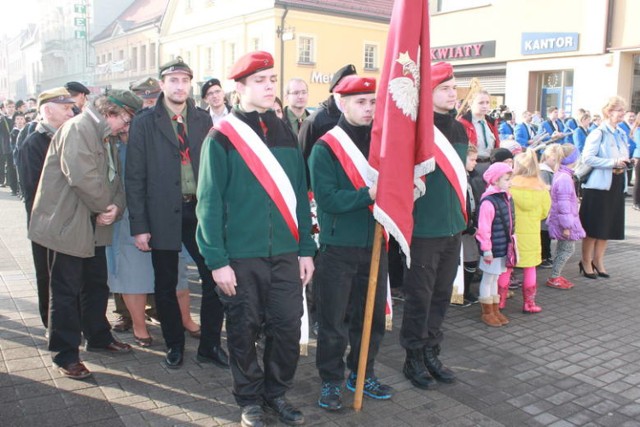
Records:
x=269, y=294
x=165, y=267
x=4, y=165
x=342, y=279
x=41, y=264
x=79, y=295
x=545, y=241
x=427, y=288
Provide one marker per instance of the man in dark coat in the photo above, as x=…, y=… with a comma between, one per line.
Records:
x=163, y=157
x=324, y=118
x=6, y=125
x=55, y=109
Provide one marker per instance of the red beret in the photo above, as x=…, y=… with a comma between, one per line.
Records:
x=440, y=72
x=251, y=63
x=355, y=85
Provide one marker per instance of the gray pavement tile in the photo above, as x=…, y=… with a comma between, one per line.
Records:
x=42, y=404
x=545, y=419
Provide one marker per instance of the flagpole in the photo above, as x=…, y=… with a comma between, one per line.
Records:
x=368, y=316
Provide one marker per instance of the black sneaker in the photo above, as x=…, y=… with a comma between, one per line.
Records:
x=547, y=263
x=372, y=387
x=330, y=397
x=471, y=298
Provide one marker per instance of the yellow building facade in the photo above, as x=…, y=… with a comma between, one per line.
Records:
x=307, y=42
x=534, y=54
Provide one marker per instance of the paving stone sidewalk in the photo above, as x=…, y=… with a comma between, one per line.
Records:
x=577, y=363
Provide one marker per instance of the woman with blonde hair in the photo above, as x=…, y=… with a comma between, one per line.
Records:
x=532, y=202
x=602, y=207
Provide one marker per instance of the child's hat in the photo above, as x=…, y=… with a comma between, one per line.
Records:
x=495, y=171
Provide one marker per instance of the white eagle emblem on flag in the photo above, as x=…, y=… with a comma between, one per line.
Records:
x=404, y=90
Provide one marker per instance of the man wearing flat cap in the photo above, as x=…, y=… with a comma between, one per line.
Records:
x=255, y=234
x=78, y=198
x=344, y=190
x=79, y=93
x=55, y=107
x=213, y=95
x=435, y=247
x=163, y=157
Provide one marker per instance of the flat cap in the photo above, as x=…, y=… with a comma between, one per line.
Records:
x=345, y=71
x=251, y=63
x=440, y=72
x=176, y=66
x=207, y=85
x=125, y=99
x=355, y=85
x=77, y=87
x=147, y=88
x=58, y=95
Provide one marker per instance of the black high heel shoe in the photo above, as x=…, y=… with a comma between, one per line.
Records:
x=599, y=273
x=584, y=273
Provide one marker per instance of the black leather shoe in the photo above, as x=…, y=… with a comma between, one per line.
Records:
x=174, y=357
x=416, y=372
x=215, y=355
x=436, y=368
x=287, y=413
x=252, y=416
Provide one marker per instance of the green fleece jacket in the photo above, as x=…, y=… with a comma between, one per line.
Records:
x=343, y=211
x=438, y=213
x=236, y=216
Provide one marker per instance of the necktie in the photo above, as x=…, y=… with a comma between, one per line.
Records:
x=185, y=156
x=484, y=133
x=264, y=127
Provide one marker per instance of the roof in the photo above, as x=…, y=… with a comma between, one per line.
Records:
x=375, y=10
x=139, y=14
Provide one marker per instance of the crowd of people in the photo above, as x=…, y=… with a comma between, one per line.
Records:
x=123, y=189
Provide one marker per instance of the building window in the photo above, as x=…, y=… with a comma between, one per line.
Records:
x=109, y=57
x=231, y=53
x=305, y=50
x=256, y=43
x=152, y=55
x=209, y=58
x=120, y=55
x=143, y=57
x=370, y=57
x=134, y=58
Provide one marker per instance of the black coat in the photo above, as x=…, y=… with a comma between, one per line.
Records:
x=153, y=172
x=30, y=160
x=6, y=125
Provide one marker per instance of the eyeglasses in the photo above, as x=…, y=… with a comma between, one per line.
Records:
x=299, y=93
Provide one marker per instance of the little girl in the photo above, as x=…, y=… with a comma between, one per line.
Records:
x=563, y=220
x=549, y=163
x=495, y=228
x=532, y=201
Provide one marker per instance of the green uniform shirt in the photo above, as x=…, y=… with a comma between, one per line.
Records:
x=187, y=177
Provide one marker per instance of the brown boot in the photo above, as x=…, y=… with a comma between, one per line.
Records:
x=496, y=311
x=488, y=317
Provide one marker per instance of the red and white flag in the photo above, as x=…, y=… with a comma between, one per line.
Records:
x=402, y=140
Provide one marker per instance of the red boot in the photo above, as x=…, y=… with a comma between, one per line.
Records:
x=529, y=297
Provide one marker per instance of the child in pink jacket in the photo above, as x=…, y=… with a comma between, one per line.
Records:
x=495, y=230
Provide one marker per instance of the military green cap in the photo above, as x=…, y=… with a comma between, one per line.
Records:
x=147, y=88
x=176, y=66
x=125, y=99
x=58, y=95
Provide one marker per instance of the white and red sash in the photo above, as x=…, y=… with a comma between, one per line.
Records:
x=353, y=162
x=264, y=166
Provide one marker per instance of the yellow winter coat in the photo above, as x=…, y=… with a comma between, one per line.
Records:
x=532, y=202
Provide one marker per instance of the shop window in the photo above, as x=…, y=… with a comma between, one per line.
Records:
x=305, y=50
x=370, y=57
x=555, y=89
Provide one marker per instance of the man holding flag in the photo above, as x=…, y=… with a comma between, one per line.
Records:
x=342, y=185
x=435, y=249
x=404, y=147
